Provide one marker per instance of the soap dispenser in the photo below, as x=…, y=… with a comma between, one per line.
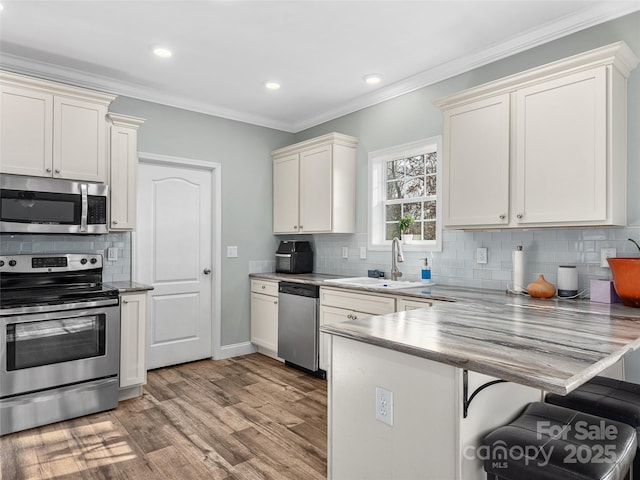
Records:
x=426, y=271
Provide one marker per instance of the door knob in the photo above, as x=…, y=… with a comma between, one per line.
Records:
x=206, y=271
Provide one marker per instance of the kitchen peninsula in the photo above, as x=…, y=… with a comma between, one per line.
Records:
x=434, y=359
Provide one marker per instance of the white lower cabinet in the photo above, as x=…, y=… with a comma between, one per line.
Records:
x=133, y=331
x=264, y=316
x=339, y=305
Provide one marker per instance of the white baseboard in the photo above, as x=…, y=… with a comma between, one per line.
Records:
x=235, y=350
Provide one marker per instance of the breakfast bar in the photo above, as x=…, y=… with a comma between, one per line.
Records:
x=432, y=360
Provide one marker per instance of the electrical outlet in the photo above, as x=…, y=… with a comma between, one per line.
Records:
x=604, y=254
x=112, y=254
x=482, y=255
x=363, y=253
x=384, y=406
x=345, y=252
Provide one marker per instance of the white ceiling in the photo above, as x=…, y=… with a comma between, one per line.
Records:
x=224, y=51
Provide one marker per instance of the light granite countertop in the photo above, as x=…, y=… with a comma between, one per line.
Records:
x=129, y=287
x=551, y=344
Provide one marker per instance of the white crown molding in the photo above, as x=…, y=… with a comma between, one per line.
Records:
x=595, y=15
x=48, y=71
x=552, y=31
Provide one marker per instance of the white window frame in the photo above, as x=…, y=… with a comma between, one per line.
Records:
x=377, y=188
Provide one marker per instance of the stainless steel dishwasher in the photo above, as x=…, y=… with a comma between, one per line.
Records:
x=298, y=325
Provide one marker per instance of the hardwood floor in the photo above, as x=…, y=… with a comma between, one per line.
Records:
x=248, y=417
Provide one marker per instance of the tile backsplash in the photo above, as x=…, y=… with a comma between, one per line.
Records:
x=119, y=270
x=545, y=249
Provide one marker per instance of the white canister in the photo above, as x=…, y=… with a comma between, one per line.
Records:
x=567, y=281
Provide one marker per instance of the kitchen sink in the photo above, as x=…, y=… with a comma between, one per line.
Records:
x=376, y=283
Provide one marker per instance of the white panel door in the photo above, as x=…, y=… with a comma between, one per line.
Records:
x=174, y=256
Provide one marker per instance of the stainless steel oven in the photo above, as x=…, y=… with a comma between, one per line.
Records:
x=59, y=340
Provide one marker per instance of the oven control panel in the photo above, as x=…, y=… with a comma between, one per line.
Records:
x=50, y=262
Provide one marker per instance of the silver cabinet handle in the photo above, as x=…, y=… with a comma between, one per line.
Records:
x=520, y=215
x=48, y=170
x=57, y=170
x=206, y=271
x=503, y=216
x=115, y=222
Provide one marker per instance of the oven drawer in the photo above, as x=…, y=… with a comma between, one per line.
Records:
x=46, y=350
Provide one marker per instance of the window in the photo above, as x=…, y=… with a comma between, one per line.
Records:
x=405, y=180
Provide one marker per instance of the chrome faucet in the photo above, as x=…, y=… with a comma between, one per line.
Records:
x=396, y=256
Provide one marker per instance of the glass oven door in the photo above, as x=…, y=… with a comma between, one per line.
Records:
x=47, y=350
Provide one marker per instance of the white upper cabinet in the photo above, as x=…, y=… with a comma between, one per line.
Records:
x=546, y=147
x=49, y=129
x=123, y=171
x=314, y=186
x=476, y=166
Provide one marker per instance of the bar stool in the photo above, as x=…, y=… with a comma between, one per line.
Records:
x=608, y=398
x=548, y=442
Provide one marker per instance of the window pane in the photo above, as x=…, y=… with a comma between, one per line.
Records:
x=430, y=230
x=416, y=229
x=392, y=230
x=394, y=212
x=430, y=210
x=395, y=189
x=431, y=185
x=413, y=188
x=395, y=169
x=415, y=166
x=414, y=208
x=431, y=162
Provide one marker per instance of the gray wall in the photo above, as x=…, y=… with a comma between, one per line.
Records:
x=244, y=151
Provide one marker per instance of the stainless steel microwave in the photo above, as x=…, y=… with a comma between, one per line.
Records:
x=51, y=205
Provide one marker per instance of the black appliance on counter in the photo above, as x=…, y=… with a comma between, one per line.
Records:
x=294, y=256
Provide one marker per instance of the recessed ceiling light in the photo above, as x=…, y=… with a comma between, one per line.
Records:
x=272, y=85
x=162, y=52
x=1, y=7
x=372, y=78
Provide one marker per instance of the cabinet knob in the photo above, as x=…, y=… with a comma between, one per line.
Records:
x=300, y=227
x=275, y=302
x=125, y=301
x=295, y=227
x=264, y=286
x=520, y=215
x=206, y=271
x=48, y=170
x=115, y=222
x=503, y=216
x=57, y=170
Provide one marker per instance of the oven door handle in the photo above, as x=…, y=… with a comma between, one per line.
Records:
x=85, y=207
x=58, y=307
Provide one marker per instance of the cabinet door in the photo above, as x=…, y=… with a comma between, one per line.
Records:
x=286, y=184
x=133, y=327
x=561, y=150
x=26, y=126
x=124, y=163
x=264, y=321
x=404, y=304
x=476, y=163
x=329, y=315
x=79, y=140
x=315, y=190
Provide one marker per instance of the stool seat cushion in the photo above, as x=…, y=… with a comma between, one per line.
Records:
x=548, y=442
x=604, y=397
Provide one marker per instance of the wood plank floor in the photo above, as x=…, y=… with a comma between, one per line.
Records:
x=248, y=417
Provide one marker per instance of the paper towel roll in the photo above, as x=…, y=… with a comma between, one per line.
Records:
x=518, y=270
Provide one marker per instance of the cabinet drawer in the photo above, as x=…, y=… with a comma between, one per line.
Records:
x=373, y=304
x=265, y=287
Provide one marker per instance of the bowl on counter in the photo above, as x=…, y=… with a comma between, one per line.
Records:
x=626, y=279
